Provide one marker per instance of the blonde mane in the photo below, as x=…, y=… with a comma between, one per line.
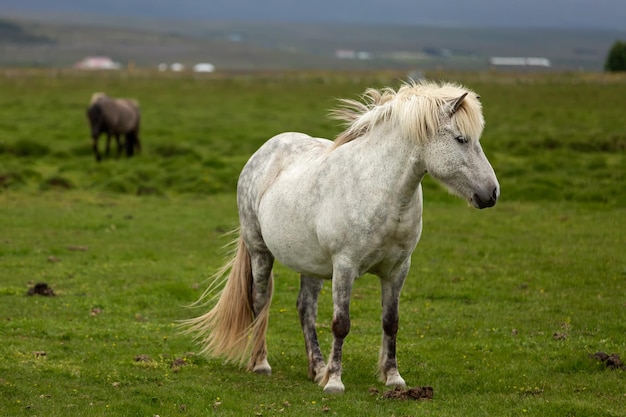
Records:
x=126, y=102
x=417, y=108
x=95, y=96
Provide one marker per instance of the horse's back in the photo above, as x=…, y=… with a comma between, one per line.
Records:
x=290, y=145
x=274, y=157
x=121, y=115
x=129, y=108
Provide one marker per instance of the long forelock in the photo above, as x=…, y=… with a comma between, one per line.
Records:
x=416, y=108
x=469, y=118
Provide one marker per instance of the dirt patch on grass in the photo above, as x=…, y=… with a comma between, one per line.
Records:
x=177, y=364
x=415, y=393
x=611, y=361
x=143, y=358
x=41, y=288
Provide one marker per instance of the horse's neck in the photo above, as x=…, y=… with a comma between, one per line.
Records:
x=394, y=160
x=386, y=165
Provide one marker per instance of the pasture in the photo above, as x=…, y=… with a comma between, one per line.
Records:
x=499, y=314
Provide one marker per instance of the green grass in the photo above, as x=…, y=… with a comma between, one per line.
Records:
x=499, y=314
x=552, y=138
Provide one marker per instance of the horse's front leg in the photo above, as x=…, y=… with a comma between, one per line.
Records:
x=307, y=309
x=343, y=278
x=94, y=146
x=108, y=148
x=387, y=362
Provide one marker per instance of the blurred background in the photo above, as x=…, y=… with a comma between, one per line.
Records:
x=245, y=35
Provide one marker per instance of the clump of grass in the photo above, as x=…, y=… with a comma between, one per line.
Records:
x=118, y=185
x=56, y=182
x=28, y=148
x=172, y=150
x=145, y=189
x=11, y=179
x=214, y=162
x=16, y=177
x=80, y=150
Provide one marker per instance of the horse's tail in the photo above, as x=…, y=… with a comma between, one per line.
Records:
x=230, y=330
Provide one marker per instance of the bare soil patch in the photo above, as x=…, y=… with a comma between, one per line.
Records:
x=41, y=288
x=612, y=361
x=415, y=393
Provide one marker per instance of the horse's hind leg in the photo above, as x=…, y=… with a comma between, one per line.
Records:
x=262, y=286
x=137, y=143
x=108, y=147
x=130, y=144
x=119, y=144
x=307, y=309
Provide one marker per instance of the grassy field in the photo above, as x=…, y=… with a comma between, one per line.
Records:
x=499, y=315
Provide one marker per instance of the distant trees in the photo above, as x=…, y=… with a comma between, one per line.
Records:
x=11, y=32
x=616, y=60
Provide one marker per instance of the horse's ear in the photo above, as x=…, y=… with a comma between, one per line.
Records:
x=456, y=103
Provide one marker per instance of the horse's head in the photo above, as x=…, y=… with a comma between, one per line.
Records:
x=97, y=96
x=96, y=119
x=446, y=122
x=454, y=157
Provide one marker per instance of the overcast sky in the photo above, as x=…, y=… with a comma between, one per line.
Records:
x=596, y=14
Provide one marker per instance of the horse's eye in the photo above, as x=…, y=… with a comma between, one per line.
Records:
x=461, y=139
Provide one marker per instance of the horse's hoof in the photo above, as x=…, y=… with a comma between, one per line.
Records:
x=334, y=387
x=396, y=383
x=263, y=368
x=263, y=371
x=394, y=379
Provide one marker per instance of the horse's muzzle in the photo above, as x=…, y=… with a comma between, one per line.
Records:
x=486, y=201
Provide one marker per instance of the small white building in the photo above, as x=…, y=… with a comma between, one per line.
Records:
x=98, y=62
x=520, y=61
x=352, y=54
x=177, y=66
x=345, y=54
x=204, y=67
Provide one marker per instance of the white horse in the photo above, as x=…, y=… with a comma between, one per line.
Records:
x=337, y=210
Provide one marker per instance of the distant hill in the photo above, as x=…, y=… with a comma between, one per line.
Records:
x=62, y=41
x=11, y=32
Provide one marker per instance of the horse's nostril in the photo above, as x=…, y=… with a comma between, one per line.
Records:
x=485, y=201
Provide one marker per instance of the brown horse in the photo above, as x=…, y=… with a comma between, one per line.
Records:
x=114, y=116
